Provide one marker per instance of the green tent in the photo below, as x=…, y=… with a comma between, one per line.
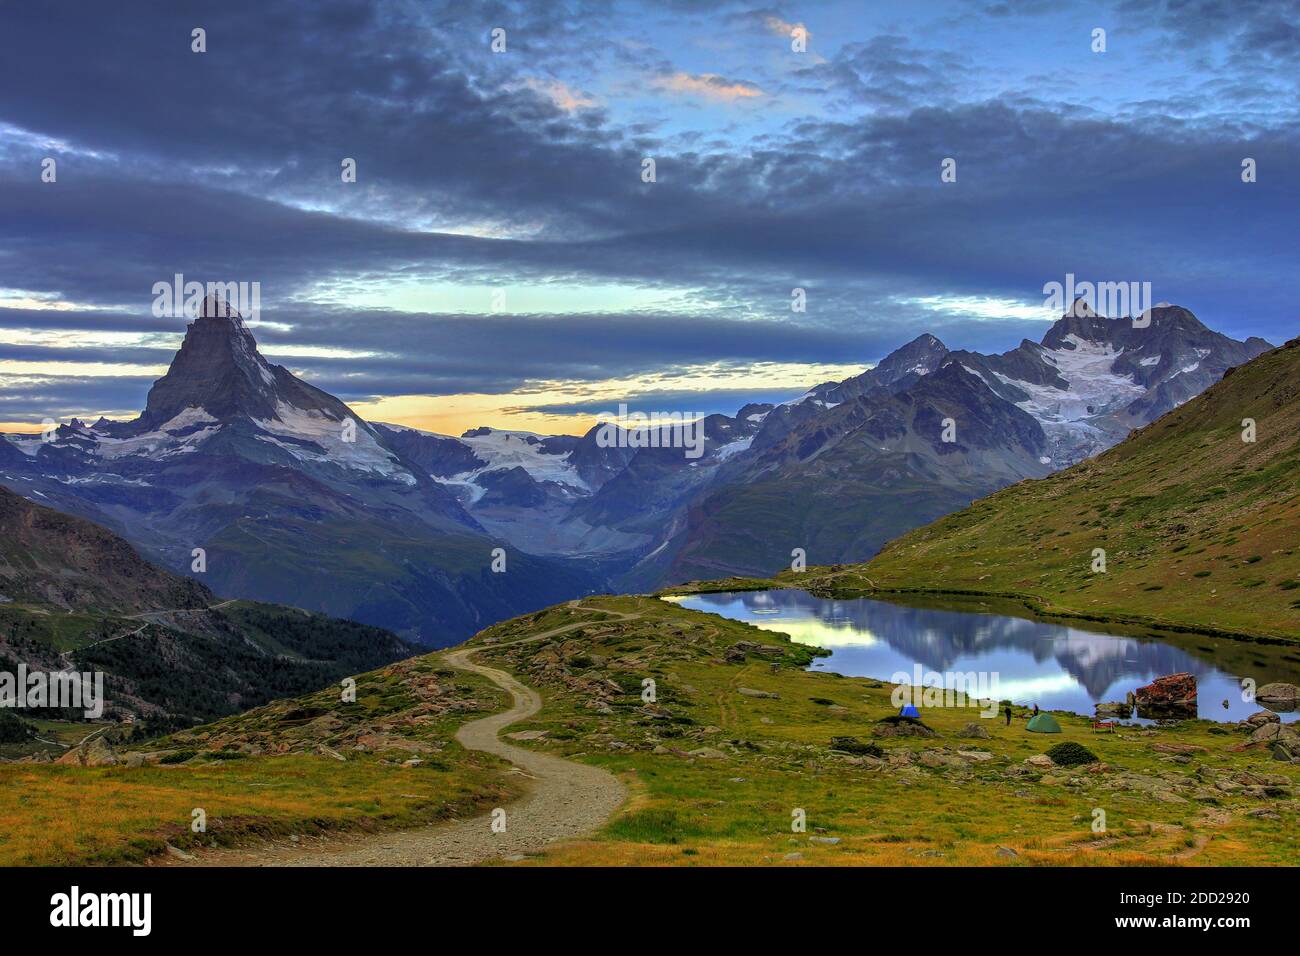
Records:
x=1044, y=723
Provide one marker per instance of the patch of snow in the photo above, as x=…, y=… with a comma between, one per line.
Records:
x=1151, y=360
x=362, y=454
x=723, y=452
x=161, y=442
x=1087, y=369
x=519, y=449
x=29, y=445
x=107, y=478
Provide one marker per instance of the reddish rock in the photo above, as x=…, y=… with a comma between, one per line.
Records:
x=1173, y=690
x=1173, y=696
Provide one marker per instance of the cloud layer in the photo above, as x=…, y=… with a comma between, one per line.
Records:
x=521, y=173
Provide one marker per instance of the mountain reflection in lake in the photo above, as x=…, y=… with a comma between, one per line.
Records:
x=1057, y=667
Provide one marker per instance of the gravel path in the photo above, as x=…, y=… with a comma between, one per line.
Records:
x=566, y=800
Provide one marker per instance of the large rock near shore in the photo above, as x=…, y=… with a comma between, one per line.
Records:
x=1279, y=696
x=1118, y=709
x=1173, y=695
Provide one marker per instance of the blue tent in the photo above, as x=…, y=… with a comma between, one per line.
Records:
x=909, y=710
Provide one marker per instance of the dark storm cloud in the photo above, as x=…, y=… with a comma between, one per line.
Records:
x=61, y=398
x=225, y=166
x=286, y=91
x=1270, y=29
x=1046, y=193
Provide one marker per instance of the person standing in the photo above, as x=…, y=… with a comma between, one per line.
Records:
x=1007, y=710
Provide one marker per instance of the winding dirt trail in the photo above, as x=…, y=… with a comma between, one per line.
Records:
x=566, y=800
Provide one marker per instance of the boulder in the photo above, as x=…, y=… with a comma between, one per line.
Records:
x=1279, y=696
x=737, y=652
x=974, y=729
x=1172, y=689
x=939, y=758
x=1171, y=696
x=750, y=692
x=1275, y=733
x=902, y=729
x=708, y=753
x=1114, y=709
x=1176, y=748
x=94, y=753
x=1263, y=717
x=1287, y=752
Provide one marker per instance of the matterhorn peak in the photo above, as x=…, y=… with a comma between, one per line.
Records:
x=217, y=369
x=214, y=307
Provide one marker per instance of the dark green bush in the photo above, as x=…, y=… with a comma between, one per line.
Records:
x=1070, y=754
x=13, y=729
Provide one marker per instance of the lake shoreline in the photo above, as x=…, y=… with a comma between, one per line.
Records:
x=1032, y=607
x=813, y=616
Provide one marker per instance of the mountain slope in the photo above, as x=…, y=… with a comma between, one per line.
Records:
x=291, y=497
x=815, y=478
x=47, y=557
x=297, y=500
x=73, y=594
x=1200, y=529
x=842, y=484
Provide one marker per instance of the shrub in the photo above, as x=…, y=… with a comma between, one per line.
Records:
x=1070, y=754
x=13, y=729
x=178, y=756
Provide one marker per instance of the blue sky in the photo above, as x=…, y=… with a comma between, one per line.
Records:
x=499, y=259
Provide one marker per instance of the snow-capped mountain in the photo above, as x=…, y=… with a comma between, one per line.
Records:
x=295, y=499
x=852, y=464
x=1093, y=379
x=268, y=488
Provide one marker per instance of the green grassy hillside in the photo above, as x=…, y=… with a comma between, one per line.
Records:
x=1200, y=529
x=266, y=774
x=735, y=742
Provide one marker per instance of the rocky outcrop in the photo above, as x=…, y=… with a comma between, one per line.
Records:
x=1108, y=710
x=93, y=753
x=1171, y=696
x=738, y=652
x=1275, y=733
x=1279, y=696
x=902, y=729
x=1262, y=717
